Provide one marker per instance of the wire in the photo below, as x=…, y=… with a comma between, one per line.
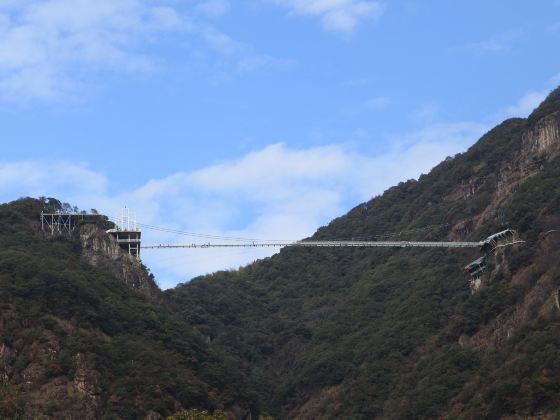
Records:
x=201, y=235
x=243, y=239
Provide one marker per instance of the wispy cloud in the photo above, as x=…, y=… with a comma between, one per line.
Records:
x=277, y=192
x=244, y=55
x=214, y=7
x=426, y=114
x=372, y=105
x=43, y=44
x=490, y=46
x=356, y=83
x=528, y=101
x=498, y=44
x=554, y=28
x=335, y=15
x=378, y=103
x=49, y=49
x=524, y=105
x=33, y=178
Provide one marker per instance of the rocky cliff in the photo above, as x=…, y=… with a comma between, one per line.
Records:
x=103, y=251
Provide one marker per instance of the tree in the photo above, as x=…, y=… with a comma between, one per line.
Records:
x=198, y=415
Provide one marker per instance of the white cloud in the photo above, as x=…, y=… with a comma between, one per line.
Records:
x=43, y=178
x=529, y=101
x=427, y=113
x=372, y=105
x=214, y=7
x=491, y=45
x=48, y=49
x=501, y=43
x=377, y=104
x=277, y=192
x=525, y=105
x=221, y=41
x=165, y=17
x=43, y=44
x=246, y=59
x=251, y=62
x=336, y=15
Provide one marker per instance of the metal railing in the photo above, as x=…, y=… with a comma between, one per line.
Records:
x=320, y=244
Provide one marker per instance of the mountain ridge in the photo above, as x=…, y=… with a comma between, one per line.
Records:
x=308, y=311
x=307, y=333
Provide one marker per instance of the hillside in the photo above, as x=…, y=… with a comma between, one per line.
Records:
x=311, y=333
x=84, y=332
x=398, y=333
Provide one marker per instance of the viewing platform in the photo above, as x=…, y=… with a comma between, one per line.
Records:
x=127, y=234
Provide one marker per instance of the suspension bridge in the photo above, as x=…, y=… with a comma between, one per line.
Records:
x=322, y=244
x=475, y=269
x=128, y=234
x=504, y=238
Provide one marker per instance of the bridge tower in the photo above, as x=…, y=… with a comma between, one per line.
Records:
x=127, y=233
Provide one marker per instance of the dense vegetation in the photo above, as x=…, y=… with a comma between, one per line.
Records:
x=354, y=333
x=138, y=357
x=308, y=333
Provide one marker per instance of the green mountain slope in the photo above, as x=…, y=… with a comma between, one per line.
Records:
x=78, y=342
x=309, y=333
x=398, y=333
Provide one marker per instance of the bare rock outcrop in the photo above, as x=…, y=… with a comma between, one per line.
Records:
x=102, y=250
x=540, y=142
x=544, y=137
x=86, y=381
x=7, y=359
x=540, y=298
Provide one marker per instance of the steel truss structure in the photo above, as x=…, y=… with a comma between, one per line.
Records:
x=59, y=223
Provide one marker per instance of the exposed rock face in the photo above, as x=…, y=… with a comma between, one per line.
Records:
x=102, y=250
x=540, y=298
x=33, y=372
x=86, y=381
x=475, y=284
x=540, y=143
x=7, y=359
x=98, y=246
x=544, y=137
x=8, y=353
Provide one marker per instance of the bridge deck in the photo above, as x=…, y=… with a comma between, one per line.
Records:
x=319, y=244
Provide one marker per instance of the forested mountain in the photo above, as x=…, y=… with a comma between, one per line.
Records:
x=85, y=333
x=398, y=333
x=312, y=332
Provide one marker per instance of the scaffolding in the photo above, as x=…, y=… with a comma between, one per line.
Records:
x=60, y=223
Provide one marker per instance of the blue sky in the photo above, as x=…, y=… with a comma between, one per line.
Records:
x=254, y=118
